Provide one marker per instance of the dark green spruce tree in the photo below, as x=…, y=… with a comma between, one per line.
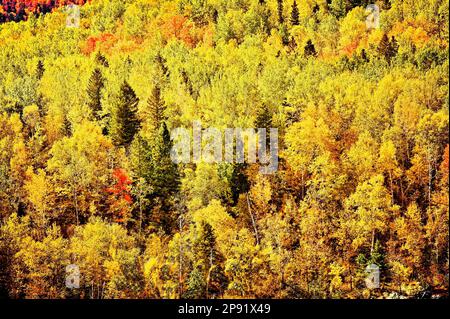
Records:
x=264, y=120
x=280, y=11
x=156, y=108
x=94, y=92
x=124, y=120
x=310, y=49
x=209, y=260
x=295, y=14
x=40, y=69
x=164, y=180
x=101, y=59
x=263, y=117
x=161, y=64
x=383, y=46
x=393, y=48
x=387, y=49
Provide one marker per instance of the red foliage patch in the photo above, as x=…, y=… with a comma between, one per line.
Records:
x=121, y=199
x=180, y=28
x=18, y=10
x=104, y=42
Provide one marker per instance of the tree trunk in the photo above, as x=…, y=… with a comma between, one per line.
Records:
x=180, y=261
x=76, y=205
x=373, y=242
x=255, y=228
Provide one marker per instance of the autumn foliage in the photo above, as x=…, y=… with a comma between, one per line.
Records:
x=121, y=199
x=87, y=177
x=17, y=10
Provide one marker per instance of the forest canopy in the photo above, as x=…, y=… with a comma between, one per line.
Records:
x=86, y=176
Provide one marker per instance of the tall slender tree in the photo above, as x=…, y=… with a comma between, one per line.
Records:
x=280, y=11
x=161, y=63
x=164, y=180
x=94, y=92
x=156, y=108
x=209, y=260
x=295, y=14
x=40, y=69
x=264, y=120
x=263, y=117
x=124, y=121
x=165, y=177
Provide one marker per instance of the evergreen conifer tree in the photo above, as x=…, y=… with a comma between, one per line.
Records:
x=156, y=108
x=94, y=92
x=388, y=49
x=264, y=120
x=393, y=48
x=280, y=11
x=165, y=177
x=209, y=260
x=40, y=69
x=101, y=59
x=310, y=49
x=383, y=46
x=124, y=121
x=295, y=14
x=164, y=180
x=263, y=117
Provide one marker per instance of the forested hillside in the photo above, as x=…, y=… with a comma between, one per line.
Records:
x=86, y=176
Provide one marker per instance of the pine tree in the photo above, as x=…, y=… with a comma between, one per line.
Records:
x=316, y=8
x=164, y=180
x=94, y=92
x=161, y=63
x=388, y=49
x=40, y=69
x=280, y=11
x=156, y=178
x=263, y=117
x=386, y=4
x=264, y=120
x=156, y=108
x=101, y=59
x=383, y=46
x=124, y=121
x=209, y=260
x=295, y=15
x=310, y=49
x=205, y=244
x=364, y=56
x=187, y=82
x=393, y=48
